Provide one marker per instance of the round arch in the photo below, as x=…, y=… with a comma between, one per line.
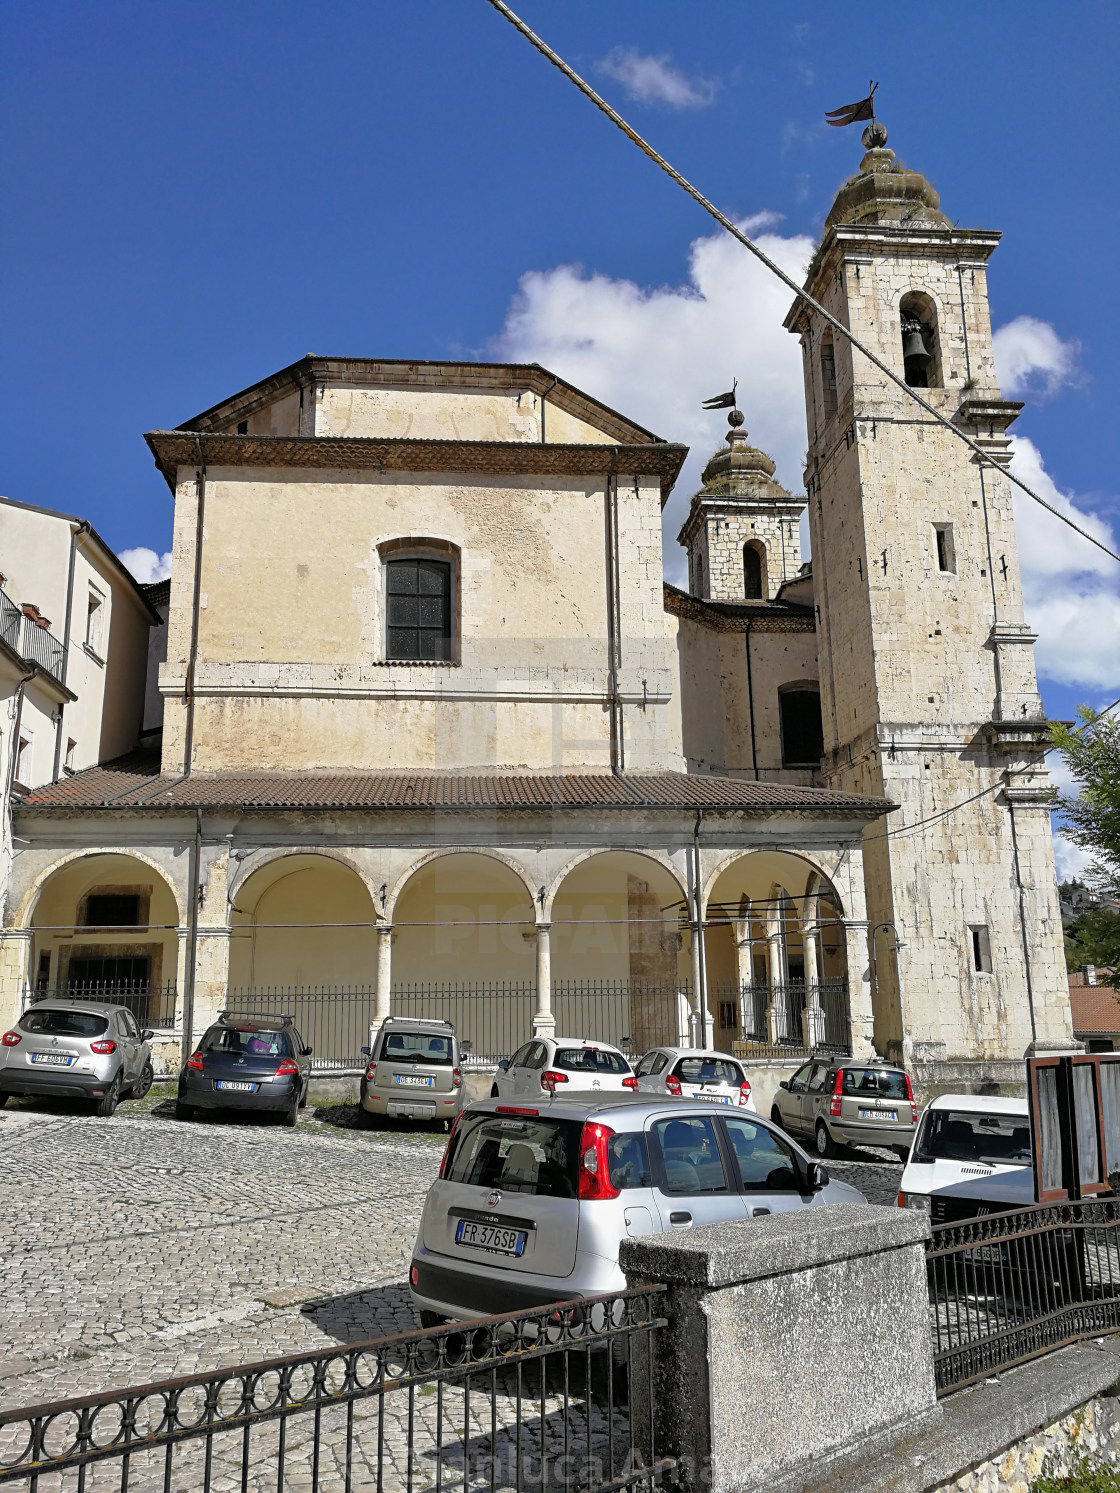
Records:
x=482, y=851
x=301, y=920
x=658, y=858
x=463, y=918
x=787, y=861
x=261, y=860
x=106, y=922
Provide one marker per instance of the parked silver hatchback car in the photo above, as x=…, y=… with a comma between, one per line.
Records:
x=414, y=1071
x=695, y=1073
x=77, y=1050
x=532, y=1201
x=836, y=1102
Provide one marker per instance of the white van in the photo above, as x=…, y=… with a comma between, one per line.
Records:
x=965, y=1138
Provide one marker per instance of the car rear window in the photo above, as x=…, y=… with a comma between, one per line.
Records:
x=253, y=1041
x=63, y=1023
x=518, y=1153
x=971, y=1135
x=415, y=1047
x=708, y=1070
x=882, y=1083
x=590, y=1060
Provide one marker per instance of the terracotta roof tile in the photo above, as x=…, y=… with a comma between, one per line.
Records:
x=1096, y=1008
x=135, y=781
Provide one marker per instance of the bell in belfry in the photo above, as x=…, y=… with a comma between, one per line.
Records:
x=914, y=353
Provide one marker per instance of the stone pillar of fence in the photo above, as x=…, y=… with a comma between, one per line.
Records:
x=791, y=1338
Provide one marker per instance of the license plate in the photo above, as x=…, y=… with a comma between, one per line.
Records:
x=52, y=1059
x=417, y=1080
x=235, y=1083
x=492, y=1236
x=713, y=1098
x=879, y=1114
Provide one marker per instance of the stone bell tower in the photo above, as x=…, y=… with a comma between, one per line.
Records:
x=741, y=532
x=927, y=677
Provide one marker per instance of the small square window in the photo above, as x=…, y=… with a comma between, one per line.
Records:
x=981, y=949
x=946, y=551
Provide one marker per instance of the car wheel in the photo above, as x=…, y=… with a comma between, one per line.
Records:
x=108, y=1102
x=366, y=1120
x=3, y=1100
x=143, y=1083
x=826, y=1146
x=290, y=1116
x=776, y=1116
x=494, y=1091
x=185, y=1111
x=431, y=1319
x=304, y=1095
x=903, y=1153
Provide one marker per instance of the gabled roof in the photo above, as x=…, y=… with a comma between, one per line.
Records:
x=423, y=373
x=136, y=782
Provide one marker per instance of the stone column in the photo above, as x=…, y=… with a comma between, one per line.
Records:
x=776, y=972
x=860, y=1010
x=744, y=971
x=384, y=989
x=544, y=1023
x=749, y=1305
x=813, y=1022
x=15, y=946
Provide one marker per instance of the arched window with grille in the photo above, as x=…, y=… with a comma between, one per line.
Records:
x=754, y=571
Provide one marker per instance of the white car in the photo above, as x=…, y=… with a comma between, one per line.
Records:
x=965, y=1138
x=562, y=1065
x=695, y=1073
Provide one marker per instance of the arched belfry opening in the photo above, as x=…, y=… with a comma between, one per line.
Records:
x=828, y=375
x=921, y=353
x=754, y=570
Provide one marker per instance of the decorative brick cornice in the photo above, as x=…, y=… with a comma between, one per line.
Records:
x=737, y=616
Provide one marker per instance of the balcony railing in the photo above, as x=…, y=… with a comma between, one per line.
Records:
x=30, y=640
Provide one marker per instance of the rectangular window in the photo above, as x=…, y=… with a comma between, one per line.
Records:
x=23, y=761
x=418, y=597
x=946, y=552
x=43, y=973
x=112, y=910
x=981, y=949
x=95, y=607
x=242, y=427
x=127, y=974
x=71, y=748
x=729, y=1016
x=799, y=719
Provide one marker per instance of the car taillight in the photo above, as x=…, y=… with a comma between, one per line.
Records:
x=195, y=1061
x=414, y=1272
x=745, y=1092
x=673, y=1085
x=12, y=1039
x=630, y=1083
x=457, y=1079
x=509, y=1109
x=447, y=1153
x=103, y=1048
x=549, y=1080
x=837, y=1090
x=910, y=1096
x=287, y=1068
x=371, y=1073
x=594, y=1169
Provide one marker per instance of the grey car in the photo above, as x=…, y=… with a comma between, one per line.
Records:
x=63, y=1049
x=533, y=1200
x=835, y=1102
x=414, y=1071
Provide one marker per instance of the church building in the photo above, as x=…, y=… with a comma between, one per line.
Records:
x=437, y=738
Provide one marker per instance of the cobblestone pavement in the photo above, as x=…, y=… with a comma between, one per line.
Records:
x=141, y=1248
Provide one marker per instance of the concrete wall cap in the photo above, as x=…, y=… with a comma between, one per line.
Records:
x=728, y=1254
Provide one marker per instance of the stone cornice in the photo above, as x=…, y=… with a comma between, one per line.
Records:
x=173, y=449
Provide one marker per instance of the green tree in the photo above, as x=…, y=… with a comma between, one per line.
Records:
x=1091, y=751
x=1094, y=938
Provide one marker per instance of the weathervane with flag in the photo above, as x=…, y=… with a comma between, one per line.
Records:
x=723, y=401
x=851, y=113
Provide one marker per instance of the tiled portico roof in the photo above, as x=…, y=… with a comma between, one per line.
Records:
x=135, y=782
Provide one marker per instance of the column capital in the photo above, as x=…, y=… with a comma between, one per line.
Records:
x=543, y=927
x=14, y=934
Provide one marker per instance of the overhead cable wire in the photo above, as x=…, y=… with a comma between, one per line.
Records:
x=725, y=222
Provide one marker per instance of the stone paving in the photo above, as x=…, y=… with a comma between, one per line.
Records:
x=141, y=1248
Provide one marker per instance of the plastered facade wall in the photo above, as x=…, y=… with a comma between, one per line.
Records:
x=291, y=642
x=716, y=700
x=916, y=661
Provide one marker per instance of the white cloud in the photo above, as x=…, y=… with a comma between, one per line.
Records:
x=654, y=80
x=1032, y=359
x=1070, y=862
x=146, y=565
x=657, y=354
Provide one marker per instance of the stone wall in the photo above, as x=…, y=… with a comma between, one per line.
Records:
x=1093, y=1428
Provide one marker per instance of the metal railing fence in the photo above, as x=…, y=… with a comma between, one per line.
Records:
x=539, y=1398
x=30, y=640
x=771, y=1018
x=154, y=1006
x=11, y=620
x=1015, y=1286
x=494, y=1017
x=334, y=1020
x=632, y=1014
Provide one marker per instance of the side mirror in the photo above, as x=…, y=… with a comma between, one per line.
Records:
x=504, y=1064
x=816, y=1176
x=147, y=1034
x=784, y=1084
x=306, y=1052
x=465, y=1048
x=365, y=1052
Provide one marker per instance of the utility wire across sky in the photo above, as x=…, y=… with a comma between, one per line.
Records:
x=725, y=222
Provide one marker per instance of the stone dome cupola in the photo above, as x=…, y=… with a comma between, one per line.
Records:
x=741, y=532
x=885, y=191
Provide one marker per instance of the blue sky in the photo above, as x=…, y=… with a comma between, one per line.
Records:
x=195, y=195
